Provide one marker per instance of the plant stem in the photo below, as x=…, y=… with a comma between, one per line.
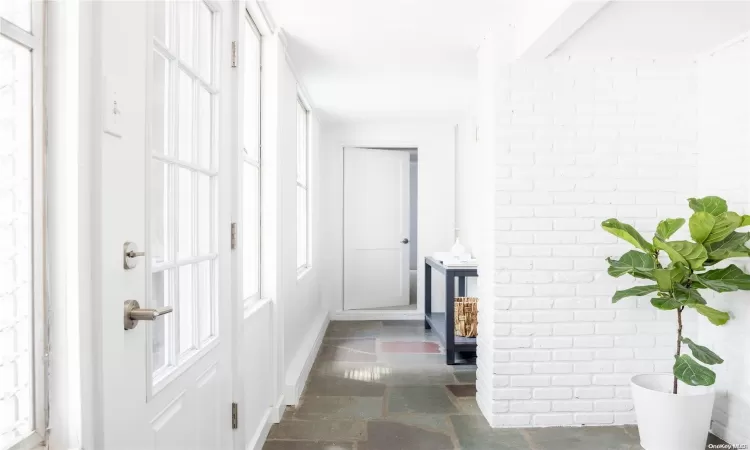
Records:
x=679, y=344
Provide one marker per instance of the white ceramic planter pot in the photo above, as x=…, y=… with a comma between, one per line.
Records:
x=667, y=421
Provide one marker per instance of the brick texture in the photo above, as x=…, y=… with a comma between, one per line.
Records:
x=575, y=144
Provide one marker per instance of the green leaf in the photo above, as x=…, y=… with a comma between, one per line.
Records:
x=711, y=205
x=702, y=353
x=689, y=371
x=731, y=246
x=745, y=221
x=686, y=252
x=688, y=296
x=729, y=279
x=627, y=233
x=665, y=303
x=714, y=316
x=668, y=227
x=701, y=224
x=663, y=279
x=679, y=272
x=725, y=224
x=636, y=263
x=674, y=255
x=636, y=291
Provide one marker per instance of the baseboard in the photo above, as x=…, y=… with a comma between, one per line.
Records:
x=299, y=369
x=261, y=433
x=277, y=410
x=377, y=315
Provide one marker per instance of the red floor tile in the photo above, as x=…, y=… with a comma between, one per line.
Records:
x=409, y=347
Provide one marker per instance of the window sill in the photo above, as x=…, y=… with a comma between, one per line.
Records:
x=303, y=271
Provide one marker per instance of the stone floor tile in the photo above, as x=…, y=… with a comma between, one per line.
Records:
x=325, y=385
x=319, y=430
x=713, y=441
x=317, y=408
x=353, y=329
x=583, y=438
x=419, y=399
x=419, y=377
x=474, y=433
x=409, y=347
x=351, y=350
x=468, y=405
x=466, y=374
x=389, y=374
x=462, y=390
x=385, y=435
x=439, y=422
x=307, y=445
x=407, y=360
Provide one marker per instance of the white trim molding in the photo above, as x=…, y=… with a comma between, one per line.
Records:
x=414, y=315
x=299, y=368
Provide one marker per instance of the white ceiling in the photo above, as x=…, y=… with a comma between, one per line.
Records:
x=406, y=59
x=386, y=59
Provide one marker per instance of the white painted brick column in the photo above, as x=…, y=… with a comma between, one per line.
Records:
x=575, y=144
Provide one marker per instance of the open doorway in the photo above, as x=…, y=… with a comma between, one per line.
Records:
x=380, y=228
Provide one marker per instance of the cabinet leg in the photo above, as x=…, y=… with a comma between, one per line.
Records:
x=450, y=357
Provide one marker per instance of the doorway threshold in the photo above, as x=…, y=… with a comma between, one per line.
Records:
x=380, y=314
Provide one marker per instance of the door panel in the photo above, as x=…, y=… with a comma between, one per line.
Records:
x=376, y=221
x=166, y=384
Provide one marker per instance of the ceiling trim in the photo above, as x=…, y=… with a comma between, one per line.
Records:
x=730, y=43
x=263, y=11
x=566, y=25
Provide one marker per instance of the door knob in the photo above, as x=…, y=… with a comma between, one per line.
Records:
x=404, y=241
x=134, y=313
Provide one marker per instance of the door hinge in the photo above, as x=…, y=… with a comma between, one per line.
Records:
x=234, y=235
x=234, y=53
x=235, y=420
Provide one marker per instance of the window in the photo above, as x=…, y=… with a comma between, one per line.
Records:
x=303, y=192
x=183, y=204
x=251, y=163
x=22, y=318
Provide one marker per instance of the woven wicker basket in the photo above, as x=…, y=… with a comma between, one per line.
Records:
x=465, y=316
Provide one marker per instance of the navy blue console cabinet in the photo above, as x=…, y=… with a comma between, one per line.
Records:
x=443, y=323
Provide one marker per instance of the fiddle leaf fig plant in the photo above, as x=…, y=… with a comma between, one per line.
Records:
x=677, y=284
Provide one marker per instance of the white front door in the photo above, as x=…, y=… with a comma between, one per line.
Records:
x=163, y=184
x=376, y=228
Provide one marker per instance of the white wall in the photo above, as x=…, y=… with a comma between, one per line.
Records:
x=573, y=143
x=577, y=143
x=724, y=111
x=303, y=316
x=413, y=213
x=435, y=143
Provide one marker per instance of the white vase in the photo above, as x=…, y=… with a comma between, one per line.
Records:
x=458, y=250
x=667, y=421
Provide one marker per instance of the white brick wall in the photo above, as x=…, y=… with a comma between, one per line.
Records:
x=724, y=86
x=575, y=144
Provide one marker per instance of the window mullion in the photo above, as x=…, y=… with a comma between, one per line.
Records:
x=173, y=332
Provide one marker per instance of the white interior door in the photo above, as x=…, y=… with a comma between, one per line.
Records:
x=376, y=228
x=166, y=384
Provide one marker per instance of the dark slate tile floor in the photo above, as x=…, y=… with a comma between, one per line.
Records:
x=385, y=386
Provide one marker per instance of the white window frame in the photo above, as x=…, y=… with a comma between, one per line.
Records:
x=302, y=269
x=247, y=158
x=34, y=41
x=177, y=363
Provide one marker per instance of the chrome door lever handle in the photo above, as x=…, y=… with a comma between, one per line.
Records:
x=134, y=313
x=404, y=241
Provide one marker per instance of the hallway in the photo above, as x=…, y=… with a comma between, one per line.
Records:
x=385, y=386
